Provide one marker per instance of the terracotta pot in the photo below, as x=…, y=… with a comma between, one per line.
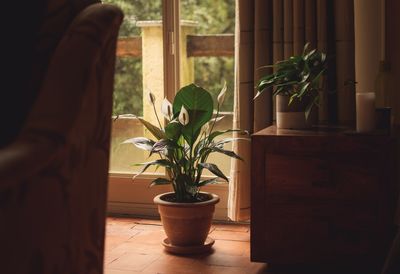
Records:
x=293, y=116
x=186, y=224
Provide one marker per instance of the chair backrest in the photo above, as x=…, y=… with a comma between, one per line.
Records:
x=56, y=216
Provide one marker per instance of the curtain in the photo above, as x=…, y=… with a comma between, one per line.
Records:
x=271, y=30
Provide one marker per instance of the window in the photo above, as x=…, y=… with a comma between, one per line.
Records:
x=148, y=59
x=132, y=74
x=209, y=46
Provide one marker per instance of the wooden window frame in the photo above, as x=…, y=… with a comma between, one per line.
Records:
x=136, y=199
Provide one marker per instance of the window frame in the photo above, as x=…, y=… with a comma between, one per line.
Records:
x=140, y=201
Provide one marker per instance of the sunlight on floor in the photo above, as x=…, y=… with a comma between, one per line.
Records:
x=134, y=246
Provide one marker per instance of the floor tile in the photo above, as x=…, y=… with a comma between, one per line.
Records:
x=148, y=227
x=232, y=227
x=236, y=248
x=228, y=270
x=115, y=271
x=110, y=256
x=120, y=229
x=230, y=235
x=148, y=221
x=139, y=247
x=135, y=246
x=133, y=261
x=152, y=237
x=217, y=259
x=171, y=264
x=113, y=241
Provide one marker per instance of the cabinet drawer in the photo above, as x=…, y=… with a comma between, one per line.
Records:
x=327, y=231
x=321, y=195
x=316, y=178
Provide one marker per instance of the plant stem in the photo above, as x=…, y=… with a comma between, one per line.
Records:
x=212, y=127
x=155, y=112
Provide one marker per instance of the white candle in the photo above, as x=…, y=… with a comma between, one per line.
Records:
x=365, y=111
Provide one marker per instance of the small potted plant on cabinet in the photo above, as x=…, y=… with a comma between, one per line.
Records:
x=183, y=146
x=296, y=82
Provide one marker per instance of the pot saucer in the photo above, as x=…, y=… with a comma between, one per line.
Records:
x=186, y=250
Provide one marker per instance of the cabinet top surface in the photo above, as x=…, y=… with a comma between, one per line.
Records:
x=315, y=131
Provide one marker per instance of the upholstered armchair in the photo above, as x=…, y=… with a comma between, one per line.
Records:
x=53, y=176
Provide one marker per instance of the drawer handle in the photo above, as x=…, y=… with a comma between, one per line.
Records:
x=327, y=184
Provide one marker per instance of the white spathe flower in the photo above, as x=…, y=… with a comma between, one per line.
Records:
x=221, y=95
x=150, y=97
x=166, y=108
x=183, y=116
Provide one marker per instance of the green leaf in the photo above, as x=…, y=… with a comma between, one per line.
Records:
x=323, y=57
x=159, y=162
x=189, y=133
x=209, y=182
x=286, y=84
x=199, y=104
x=163, y=144
x=303, y=89
x=219, y=118
x=266, y=80
x=308, y=55
x=173, y=130
x=258, y=94
x=295, y=59
x=292, y=98
x=226, y=152
x=160, y=181
x=228, y=140
x=305, y=77
x=214, y=170
x=218, y=133
x=141, y=142
x=310, y=106
x=305, y=48
x=157, y=132
x=184, y=180
x=316, y=79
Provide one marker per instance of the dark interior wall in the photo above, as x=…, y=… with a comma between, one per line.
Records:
x=393, y=55
x=393, y=75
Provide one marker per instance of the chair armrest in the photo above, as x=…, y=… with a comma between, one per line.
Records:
x=25, y=157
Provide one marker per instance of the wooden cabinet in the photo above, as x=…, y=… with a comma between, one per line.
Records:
x=321, y=196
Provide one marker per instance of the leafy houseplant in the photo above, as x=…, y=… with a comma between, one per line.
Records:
x=183, y=146
x=298, y=79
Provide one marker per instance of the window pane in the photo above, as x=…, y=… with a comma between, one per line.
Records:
x=142, y=26
x=212, y=19
x=207, y=56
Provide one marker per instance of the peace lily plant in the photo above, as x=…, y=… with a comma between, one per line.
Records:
x=186, y=141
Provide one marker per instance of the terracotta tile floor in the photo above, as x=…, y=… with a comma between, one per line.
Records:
x=134, y=246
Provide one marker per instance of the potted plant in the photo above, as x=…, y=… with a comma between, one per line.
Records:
x=183, y=146
x=296, y=82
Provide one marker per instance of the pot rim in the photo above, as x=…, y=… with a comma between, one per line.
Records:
x=214, y=199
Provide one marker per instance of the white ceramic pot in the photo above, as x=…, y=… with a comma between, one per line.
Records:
x=293, y=116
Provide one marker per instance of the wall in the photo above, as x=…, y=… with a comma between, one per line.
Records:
x=393, y=75
x=393, y=56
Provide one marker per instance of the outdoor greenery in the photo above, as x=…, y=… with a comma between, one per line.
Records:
x=212, y=17
x=297, y=77
x=186, y=141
